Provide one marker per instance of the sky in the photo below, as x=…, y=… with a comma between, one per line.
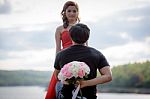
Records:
x=119, y=29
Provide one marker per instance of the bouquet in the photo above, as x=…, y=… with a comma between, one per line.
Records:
x=73, y=71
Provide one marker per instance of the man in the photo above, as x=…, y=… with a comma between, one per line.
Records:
x=92, y=57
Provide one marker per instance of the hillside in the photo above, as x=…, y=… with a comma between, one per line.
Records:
x=129, y=78
x=126, y=78
x=24, y=78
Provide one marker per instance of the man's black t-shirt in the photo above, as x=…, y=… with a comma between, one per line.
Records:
x=92, y=57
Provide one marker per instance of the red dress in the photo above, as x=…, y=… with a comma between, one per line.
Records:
x=66, y=42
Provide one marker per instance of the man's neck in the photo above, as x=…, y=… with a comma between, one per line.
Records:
x=78, y=44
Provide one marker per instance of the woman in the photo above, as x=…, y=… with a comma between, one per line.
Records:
x=70, y=16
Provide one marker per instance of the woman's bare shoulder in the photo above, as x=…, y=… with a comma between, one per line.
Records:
x=60, y=29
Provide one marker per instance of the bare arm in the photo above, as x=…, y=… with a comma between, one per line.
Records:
x=56, y=72
x=106, y=76
x=58, y=39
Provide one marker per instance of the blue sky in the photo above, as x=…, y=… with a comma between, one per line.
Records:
x=119, y=29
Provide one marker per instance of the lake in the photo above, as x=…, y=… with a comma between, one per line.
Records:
x=33, y=92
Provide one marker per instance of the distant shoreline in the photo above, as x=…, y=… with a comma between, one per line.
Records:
x=106, y=90
x=125, y=90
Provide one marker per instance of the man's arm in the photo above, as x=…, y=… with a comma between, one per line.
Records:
x=106, y=76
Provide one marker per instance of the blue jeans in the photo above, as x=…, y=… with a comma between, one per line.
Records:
x=58, y=88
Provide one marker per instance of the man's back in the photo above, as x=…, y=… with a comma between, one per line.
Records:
x=93, y=58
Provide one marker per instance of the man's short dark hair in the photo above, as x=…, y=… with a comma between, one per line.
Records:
x=79, y=33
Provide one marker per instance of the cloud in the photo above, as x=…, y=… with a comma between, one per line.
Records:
x=27, y=37
x=29, y=59
x=44, y=59
x=99, y=9
x=5, y=7
x=128, y=53
x=30, y=12
x=120, y=28
x=27, y=31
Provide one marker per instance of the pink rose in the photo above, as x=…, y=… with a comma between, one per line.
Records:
x=81, y=73
x=67, y=74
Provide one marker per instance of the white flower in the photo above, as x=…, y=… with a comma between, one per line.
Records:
x=73, y=71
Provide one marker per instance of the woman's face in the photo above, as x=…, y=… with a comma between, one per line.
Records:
x=71, y=13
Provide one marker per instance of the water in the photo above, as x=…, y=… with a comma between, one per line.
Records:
x=123, y=96
x=30, y=92
x=22, y=92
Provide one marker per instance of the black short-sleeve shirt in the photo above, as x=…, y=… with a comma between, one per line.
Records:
x=92, y=57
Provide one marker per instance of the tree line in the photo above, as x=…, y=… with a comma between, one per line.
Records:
x=135, y=75
x=24, y=78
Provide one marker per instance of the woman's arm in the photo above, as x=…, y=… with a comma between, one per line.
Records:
x=56, y=72
x=58, y=39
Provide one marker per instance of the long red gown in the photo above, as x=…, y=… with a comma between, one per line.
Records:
x=66, y=42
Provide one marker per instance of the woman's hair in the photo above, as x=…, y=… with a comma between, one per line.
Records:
x=79, y=33
x=63, y=12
